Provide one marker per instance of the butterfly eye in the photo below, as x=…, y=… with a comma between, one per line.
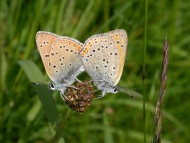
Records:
x=52, y=86
x=115, y=90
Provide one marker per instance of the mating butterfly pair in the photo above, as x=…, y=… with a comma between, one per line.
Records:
x=102, y=56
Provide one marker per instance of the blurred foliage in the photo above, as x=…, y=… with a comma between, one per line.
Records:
x=32, y=114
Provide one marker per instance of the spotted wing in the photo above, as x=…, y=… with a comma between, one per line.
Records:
x=44, y=41
x=101, y=58
x=120, y=39
x=65, y=59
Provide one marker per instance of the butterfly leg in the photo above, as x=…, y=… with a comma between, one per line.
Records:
x=64, y=97
x=77, y=79
x=73, y=87
x=103, y=93
x=62, y=94
x=100, y=96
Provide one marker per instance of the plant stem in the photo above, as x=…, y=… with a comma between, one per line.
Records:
x=60, y=127
x=162, y=91
x=144, y=62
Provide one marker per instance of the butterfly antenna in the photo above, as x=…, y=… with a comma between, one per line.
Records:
x=131, y=92
x=36, y=83
x=40, y=83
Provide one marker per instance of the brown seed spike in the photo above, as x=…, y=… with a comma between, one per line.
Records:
x=79, y=98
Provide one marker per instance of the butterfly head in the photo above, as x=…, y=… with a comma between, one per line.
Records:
x=52, y=85
x=106, y=87
x=112, y=89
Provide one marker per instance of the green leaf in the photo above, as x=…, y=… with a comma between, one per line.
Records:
x=44, y=94
x=32, y=71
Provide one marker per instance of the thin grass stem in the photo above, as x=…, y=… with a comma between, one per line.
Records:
x=61, y=126
x=144, y=63
x=162, y=92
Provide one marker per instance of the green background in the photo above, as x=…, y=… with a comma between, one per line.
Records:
x=31, y=113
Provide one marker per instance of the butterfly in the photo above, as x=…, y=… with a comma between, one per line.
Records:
x=103, y=57
x=61, y=59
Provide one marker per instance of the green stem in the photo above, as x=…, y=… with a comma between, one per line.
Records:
x=144, y=62
x=60, y=127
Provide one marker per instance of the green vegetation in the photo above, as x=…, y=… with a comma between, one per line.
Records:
x=34, y=114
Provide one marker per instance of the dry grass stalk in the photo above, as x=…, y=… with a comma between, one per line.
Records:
x=162, y=91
